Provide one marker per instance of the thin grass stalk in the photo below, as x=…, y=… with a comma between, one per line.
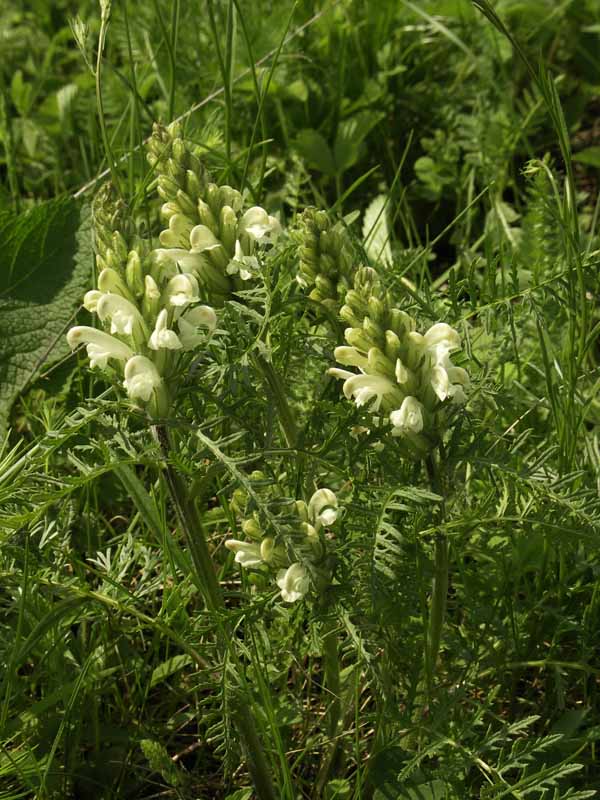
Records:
x=112, y=165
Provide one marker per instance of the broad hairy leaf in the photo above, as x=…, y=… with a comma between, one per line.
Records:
x=45, y=268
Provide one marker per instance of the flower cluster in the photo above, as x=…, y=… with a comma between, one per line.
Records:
x=299, y=558
x=326, y=258
x=151, y=316
x=150, y=299
x=404, y=376
x=209, y=233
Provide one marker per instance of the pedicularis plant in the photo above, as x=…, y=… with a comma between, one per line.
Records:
x=158, y=298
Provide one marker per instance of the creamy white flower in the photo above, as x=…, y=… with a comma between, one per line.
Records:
x=182, y=290
x=123, y=315
x=246, y=553
x=141, y=378
x=90, y=300
x=438, y=377
x=170, y=258
x=109, y=280
x=446, y=379
x=408, y=418
x=364, y=388
x=162, y=337
x=197, y=317
x=202, y=238
x=350, y=357
x=442, y=334
x=293, y=582
x=100, y=346
x=323, y=507
x=245, y=265
x=258, y=224
x=402, y=374
x=178, y=233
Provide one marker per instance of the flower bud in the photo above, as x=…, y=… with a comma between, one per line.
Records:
x=206, y=217
x=151, y=299
x=110, y=281
x=252, y=529
x=134, y=274
x=228, y=229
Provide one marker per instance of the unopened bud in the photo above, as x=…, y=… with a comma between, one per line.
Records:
x=252, y=529
x=134, y=274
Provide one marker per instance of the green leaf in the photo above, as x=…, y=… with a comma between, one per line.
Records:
x=590, y=156
x=45, y=268
x=315, y=151
x=169, y=667
x=350, y=137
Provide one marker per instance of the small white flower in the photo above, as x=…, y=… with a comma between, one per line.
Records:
x=444, y=335
x=439, y=382
x=408, y=418
x=141, y=378
x=258, y=224
x=178, y=232
x=323, y=507
x=123, y=315
x=90, y=300
x=364, y=388
x=293, y=582
x=162, y=337
x=245, y=265
x=197, y=317
x=202, y=238
x=247, y=554
x=168, y=259
x=182, y=290
x=100, y=346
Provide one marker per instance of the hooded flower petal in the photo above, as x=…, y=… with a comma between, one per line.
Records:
x=442, y=334
x=202, y=238
x=197, y=317
x=408, y=418
x=293, y=582
x=350, y=357
x=245, y=265
x=123, y=315
x=368, y=389
x=162, y=337
x=182, y=290
x=141, y=378
x=90, y=300
x=323, y=507
x=100, y=346
x=258, y=224
x=248, y=554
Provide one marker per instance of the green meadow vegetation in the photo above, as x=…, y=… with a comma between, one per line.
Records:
x=299, y=370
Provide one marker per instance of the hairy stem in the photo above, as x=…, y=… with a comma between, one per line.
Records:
x=439, y=589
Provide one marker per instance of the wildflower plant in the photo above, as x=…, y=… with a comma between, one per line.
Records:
x=405, y=379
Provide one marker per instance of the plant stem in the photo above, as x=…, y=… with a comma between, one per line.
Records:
x=439, y=589
x=275, y=384
x=191, y=525
x=255, y=754
x=331, y=664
